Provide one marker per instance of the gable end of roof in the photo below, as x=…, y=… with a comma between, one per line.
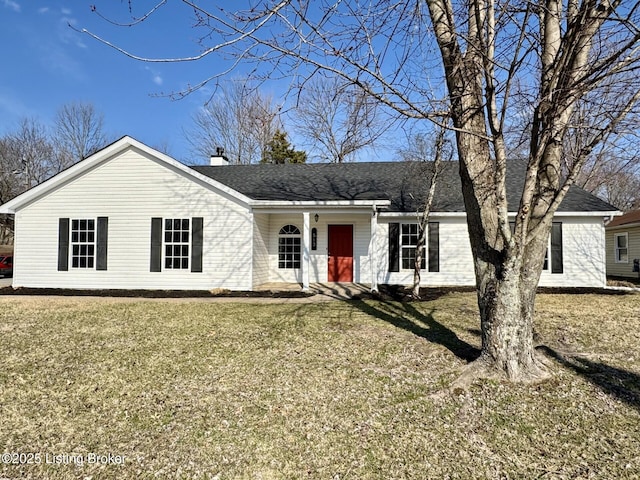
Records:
x=103, y=155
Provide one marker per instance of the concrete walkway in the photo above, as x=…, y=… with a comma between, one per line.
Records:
x=320, y=291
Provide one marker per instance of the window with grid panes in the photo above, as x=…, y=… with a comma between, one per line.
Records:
x=83, y=243
x=409, y=236
x=176, y=243
x=289, y=247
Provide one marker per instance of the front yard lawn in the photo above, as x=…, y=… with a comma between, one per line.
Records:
x=334, y=390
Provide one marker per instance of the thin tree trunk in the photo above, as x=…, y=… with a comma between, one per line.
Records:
x=423, y=216
x=423, y=222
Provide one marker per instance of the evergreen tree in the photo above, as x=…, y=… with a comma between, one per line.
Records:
x=279, y=150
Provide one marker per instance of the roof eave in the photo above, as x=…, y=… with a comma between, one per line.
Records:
x=464, y=214
x=589, y=213
x=623, y=226
x=319, y=203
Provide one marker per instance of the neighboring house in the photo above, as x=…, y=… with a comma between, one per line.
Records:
x=623, y=245
x=131, y=217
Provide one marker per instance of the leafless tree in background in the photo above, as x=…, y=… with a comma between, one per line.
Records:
x=9, y=187
x=337, y=119
x=423, y=58
x=27, y=158
x=239, y=119
x=621, y=190
x=78, y=133
x=29, y=155
x=32, y=153
x=614, y=166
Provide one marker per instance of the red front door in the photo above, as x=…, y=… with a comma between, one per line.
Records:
x=340, y=253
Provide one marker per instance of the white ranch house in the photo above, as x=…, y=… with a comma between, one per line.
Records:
x=130, y=217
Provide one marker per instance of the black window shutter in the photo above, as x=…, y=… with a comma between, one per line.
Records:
x=156, y=244
x=394, y=247
x=434, y=246
x=196, y=244
x=101, y=247
x=63, y=245
x=556, y=248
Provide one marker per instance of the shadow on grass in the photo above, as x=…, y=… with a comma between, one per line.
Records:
x=407, y=317
x=621, y=384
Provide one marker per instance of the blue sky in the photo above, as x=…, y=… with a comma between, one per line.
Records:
x=47, y=64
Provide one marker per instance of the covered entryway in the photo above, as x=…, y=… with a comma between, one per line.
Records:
x=340, y=268
x=336, y=245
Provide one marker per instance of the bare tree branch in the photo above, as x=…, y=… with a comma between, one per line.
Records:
x=337, y=120
x=79, y=132
x=239, y=119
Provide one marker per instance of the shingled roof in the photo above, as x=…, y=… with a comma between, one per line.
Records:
x=626, y=219
x=403, y=183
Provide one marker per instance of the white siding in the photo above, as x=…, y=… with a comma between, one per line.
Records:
x=260, y=248
x=130, y=189
x=361, y=238
x=583, y=254
x=623, y=269
x=456, y=261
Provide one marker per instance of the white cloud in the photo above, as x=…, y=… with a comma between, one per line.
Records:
x=10, y=4
x=43, y=10
x=52, y=45
x=156, y=77
x=65, y=11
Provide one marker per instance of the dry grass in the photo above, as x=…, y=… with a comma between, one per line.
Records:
x=321, y=391
x=623, y=282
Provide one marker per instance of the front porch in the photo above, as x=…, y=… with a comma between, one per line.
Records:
x=322, y=248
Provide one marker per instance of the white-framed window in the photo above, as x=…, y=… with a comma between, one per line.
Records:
x=176, y=243
x=409, y=236
x=621, y=245
x=289, y=247
x=83, y=243
x=547, y=264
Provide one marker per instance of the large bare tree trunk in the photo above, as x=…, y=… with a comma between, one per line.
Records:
x=506, y=298
x=506, y=278
x=507, y=265
x=507, y=275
